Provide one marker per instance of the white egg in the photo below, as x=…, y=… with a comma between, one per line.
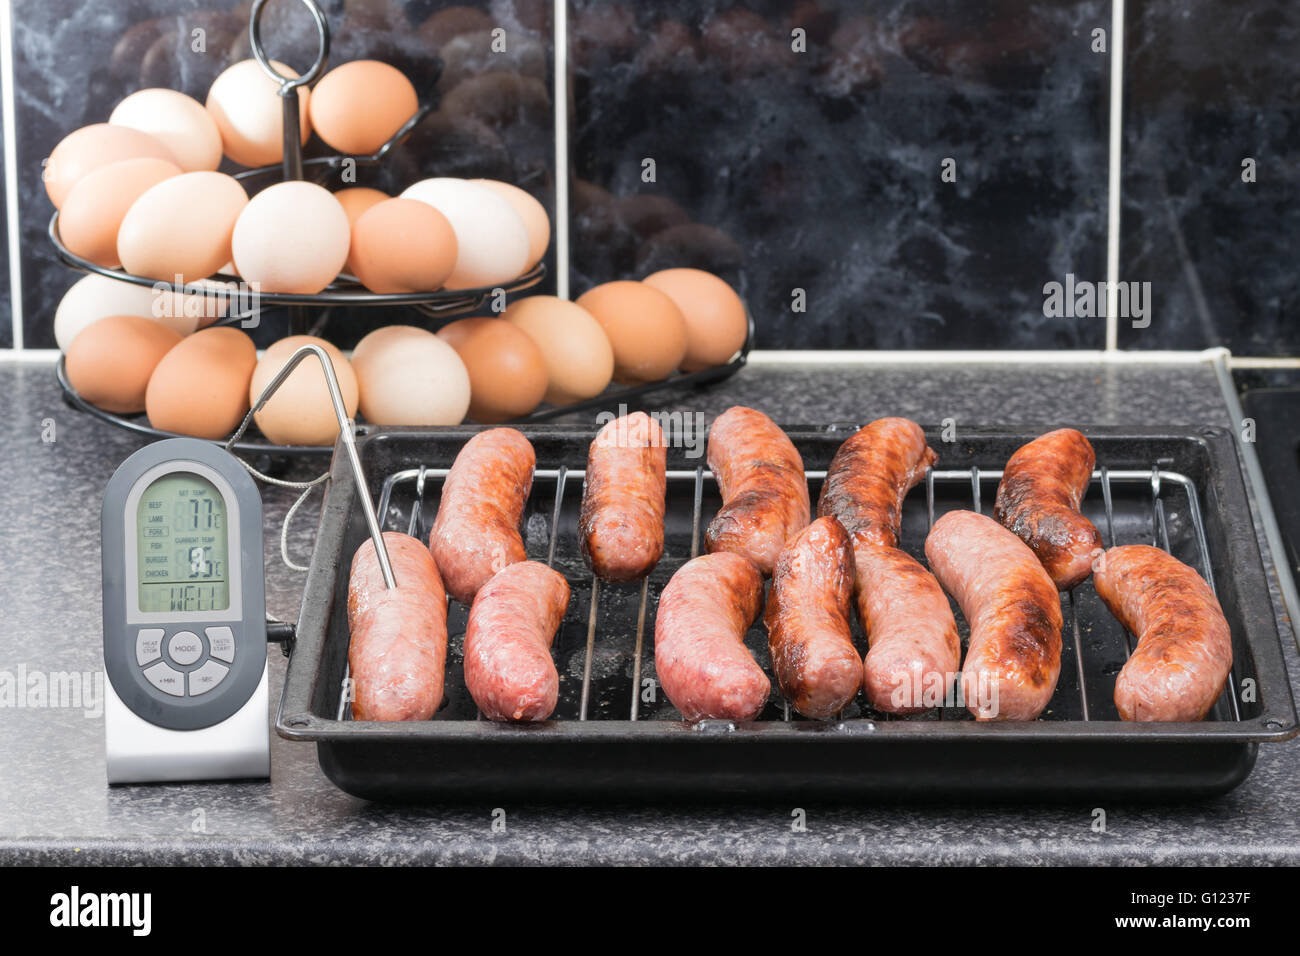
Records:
x=95, y=297
x=491, y=236
x=178, y=121
x=291, y=237
x=409, y=376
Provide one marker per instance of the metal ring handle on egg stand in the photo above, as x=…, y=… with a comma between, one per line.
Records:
x=288, y=90
x=346, y=435
x=289, y=104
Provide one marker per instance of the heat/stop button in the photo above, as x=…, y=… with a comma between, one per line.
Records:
x=185, y=648
x=148, y=645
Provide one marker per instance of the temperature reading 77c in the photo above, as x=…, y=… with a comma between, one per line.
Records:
x=201, y=513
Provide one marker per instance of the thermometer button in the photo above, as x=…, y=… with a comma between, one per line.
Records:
x=185, y=648
x=148, y=645
x=166, y=679
x=221, y=643
x=207, y=677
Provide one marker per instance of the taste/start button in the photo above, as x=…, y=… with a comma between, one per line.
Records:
x=185, y=647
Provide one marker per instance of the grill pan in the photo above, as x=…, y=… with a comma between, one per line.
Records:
x=615, y=736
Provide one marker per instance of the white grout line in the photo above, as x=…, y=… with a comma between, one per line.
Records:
x=560, y=95
x=1114, y=184
x=9, y=125
x=773, y=357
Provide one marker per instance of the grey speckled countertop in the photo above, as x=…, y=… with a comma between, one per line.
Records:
x=55, y=806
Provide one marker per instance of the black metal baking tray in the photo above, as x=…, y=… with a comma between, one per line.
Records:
x=1180, y=488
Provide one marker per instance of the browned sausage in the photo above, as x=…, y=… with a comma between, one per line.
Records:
x=1038, y=499
x=621, y=525
x=816, y=665
x=1013, y=609
x=915, y=649
x=870, y=476
x=398, y=652
x=700, y=654
x=764, y=491
x=476, y=532
x=508, y=667
x=1184, y=650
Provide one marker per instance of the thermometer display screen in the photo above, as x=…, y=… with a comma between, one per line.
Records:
x=183, y=543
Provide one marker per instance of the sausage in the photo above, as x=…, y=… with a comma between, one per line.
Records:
x=512, y=623
x=915, y=651
x=870, y=476
x=621, y=524
x=398, y=652
x=1013, y=609
x=813, y=657
x=1038, y=499
x=476, y=532
x=764, y=491
x=1184, y=650
x=700, y=654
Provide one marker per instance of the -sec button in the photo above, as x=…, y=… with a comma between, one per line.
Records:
x=207, y=677
x=185, y=648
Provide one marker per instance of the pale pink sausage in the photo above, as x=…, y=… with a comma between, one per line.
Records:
x=700, y=654
x=512, y=623
x=915, y=649
x=398, y=650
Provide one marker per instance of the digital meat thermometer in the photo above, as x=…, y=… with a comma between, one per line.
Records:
x=184, y=617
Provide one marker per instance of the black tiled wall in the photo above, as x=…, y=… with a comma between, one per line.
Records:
x=816, y=170
x=821, y=170
x=1207, y=87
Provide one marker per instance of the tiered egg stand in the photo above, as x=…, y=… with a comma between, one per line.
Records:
x=345, y=291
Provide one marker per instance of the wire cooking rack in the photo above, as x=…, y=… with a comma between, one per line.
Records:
x=1157, y=506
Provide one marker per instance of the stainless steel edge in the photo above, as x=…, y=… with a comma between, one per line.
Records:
x=1255, y=474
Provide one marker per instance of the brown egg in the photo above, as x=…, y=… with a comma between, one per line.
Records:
x=532, y=212
x=87, y=149
x=578, y=356
x=93, y=211
x=355, y=200
x=402, y=245
x=357, y=107
x=300, y=412
x=110, y=361
x=200, y=387
x=716, y=324
x=645, y=329
x=182, y=226
x=507, y=374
